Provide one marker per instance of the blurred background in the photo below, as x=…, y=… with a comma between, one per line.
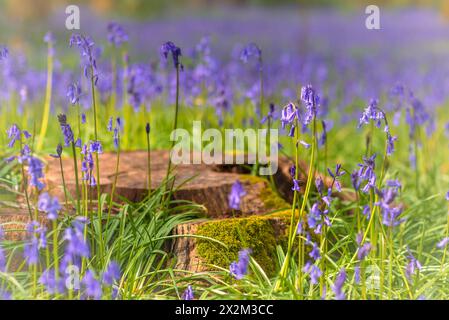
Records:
x=286, y=24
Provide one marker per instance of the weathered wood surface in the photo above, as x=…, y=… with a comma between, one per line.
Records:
x=13, y=222
x=207, y=185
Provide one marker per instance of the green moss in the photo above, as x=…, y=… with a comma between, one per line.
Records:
x=271, y=199
x=256, y=233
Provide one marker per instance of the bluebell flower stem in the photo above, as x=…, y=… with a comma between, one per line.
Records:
x=149, y=162
x=55, y=249
x=175, y=126
x=75, y=164
x=117, y=164
x=66, y=200
x=25, y=183
x=47, y=104
x=443, y=258
x=99, y=204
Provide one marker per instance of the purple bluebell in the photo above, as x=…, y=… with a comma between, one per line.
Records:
x=51, y=284
x=66, y=130
x=271, y=116
x=235, y=196
x=86, y=47
x=316, y=217
x=3, y=52
x=315, y=252
x=188, y=293
x=74, y=93
x=76, y=247
x=311, y=101
x=412, y=266
x=36, y=240
x=112, y=273
x=147, y=128
x=58, y=153
x=300, y=228
x=109, y=127
x=14, y=134
x=92, y=287
x=355, y=180
x=443, y=243
x=238, y=269
x=296, y=185
x=313, y=271
x=96, y=147
x=390, y=212
x=357, y=274
x=170, y=48
x=49, y=204
x=367, y=173
x=83, y=118
x=250, y=50
x=337, y=288
x=319, y=185
x=289, y=113
x=116, y=34
x=5, y=295
x=35, y=171
x=372, y=112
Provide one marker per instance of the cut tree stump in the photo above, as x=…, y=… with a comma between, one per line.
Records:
x=188, y=254
x=14, y=220
x=207, y=185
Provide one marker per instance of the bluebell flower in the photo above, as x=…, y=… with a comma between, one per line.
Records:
x=116, y=34
x=270, y=116
x=48, y=280
x=443, y=243
x=3, y=52
x=235, y=196
x=74, y=93
x=112, y=273
x=313, y=271
x=49, y=205
x=58, y=153
x=14, y=135
x=337, y=288
x=92, y=287
x=311, y=101
x=289, y=113
x=412, y=266
x=296, y=187
x=86, y=47
x=36, y=240
x=170, y=48
x=35, y=171
x=372, y=112
x=239, y=268
x=319, y=185
x=95, y=146
x=188, y=293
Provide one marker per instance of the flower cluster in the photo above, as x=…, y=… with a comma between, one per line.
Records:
x=86, y=47
x=116, y=129
x=170, y=48
x=390, y=211
x=36, y=234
